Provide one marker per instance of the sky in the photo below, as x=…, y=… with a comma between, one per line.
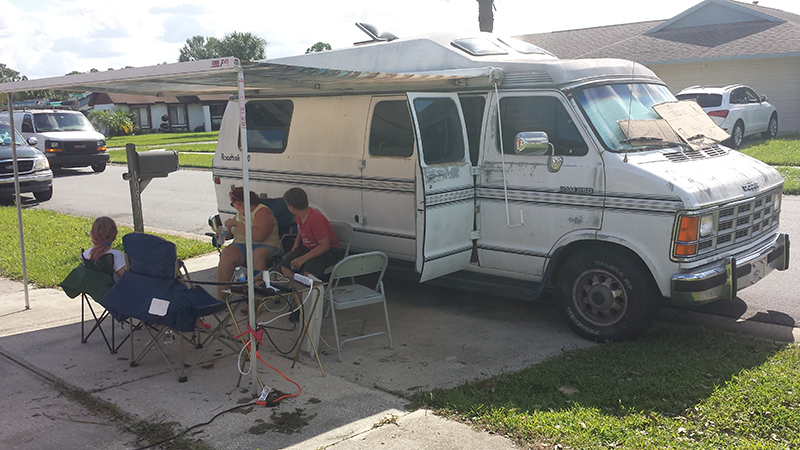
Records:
x=47, y=38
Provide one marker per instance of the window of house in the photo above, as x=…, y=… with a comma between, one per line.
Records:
x=141, y=116
x=440, y=130
x=268, y=125
x=177, y=116
x=391, y=132
x=520, y=114
x=216, y=111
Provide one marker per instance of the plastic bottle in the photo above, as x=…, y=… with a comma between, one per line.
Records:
x=222, y=232
x=239, y=274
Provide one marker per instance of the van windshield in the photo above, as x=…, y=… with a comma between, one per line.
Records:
x=605, y=106
x=61, y=121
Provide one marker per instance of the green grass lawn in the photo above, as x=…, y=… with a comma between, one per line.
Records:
x=678, y=387
x=161, y=139
x=53, y=243
x=185, y=159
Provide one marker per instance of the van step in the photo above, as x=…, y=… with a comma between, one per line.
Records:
x=467, y=281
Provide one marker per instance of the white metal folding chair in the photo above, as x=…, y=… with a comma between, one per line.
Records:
x=354, y=295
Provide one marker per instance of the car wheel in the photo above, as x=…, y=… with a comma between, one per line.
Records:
x=99, y=167
x=737, y=135
x=43, y=196
x=772, y=128
x=604, y=295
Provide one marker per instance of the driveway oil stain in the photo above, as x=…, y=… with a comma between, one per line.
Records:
x=286, y=423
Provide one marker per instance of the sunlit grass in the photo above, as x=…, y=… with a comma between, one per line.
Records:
x=681, y=388
x=185, y=159
x=53, y=242
x=781, y=151
x=161, y=139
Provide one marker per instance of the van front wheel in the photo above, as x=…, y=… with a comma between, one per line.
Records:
x=605, y=296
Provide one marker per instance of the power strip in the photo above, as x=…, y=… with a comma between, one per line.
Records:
x=306, y=280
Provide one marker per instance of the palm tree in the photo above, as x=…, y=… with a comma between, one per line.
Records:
x=114, y=122
x=486, y=15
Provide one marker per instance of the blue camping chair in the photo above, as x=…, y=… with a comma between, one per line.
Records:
x=155, y=291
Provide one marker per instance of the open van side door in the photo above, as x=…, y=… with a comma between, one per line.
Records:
x=445, y=193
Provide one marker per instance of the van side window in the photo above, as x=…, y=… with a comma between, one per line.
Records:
x=440, y=130
x=27, y=124
x=391, y=132
x=473, y=107
x=268, y=125
x=519, y=114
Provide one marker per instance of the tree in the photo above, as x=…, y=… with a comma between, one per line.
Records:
x=486, y=10
x=198, y=47
x=114, y=122
x=8, y=75
x=245, y=46
x=318, y=47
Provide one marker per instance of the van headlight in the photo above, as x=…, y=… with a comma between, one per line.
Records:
x=706, y=225
x=41, y=163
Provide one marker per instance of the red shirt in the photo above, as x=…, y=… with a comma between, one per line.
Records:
x=315, y=228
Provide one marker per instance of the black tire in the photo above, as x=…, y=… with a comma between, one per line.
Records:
x=99, y=167
x=43, y=196
x=772, y=127
x=606, y=294
x=737, y=135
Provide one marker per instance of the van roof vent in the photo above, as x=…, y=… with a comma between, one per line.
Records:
x=534, y=77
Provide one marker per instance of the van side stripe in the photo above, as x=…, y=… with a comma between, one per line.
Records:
x=515, y=251
x=399, y=185
x=383, y=233
x=443, y=197
x=455, y=251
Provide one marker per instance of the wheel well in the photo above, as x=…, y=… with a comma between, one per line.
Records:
x=564, y=253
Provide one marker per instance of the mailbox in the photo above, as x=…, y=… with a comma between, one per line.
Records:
x=157, y=163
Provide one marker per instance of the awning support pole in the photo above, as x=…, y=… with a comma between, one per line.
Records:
x=10, y=97
x=251, y=292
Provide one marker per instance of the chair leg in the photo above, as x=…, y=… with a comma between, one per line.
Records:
x=336, y=332
x=388, y=330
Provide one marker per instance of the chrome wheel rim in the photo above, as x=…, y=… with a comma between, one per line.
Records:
x=600, y=298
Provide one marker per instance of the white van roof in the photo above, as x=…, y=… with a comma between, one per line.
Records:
x=431, y=62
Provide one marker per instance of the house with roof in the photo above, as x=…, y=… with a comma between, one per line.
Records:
x=714, y=43
x=179, y=113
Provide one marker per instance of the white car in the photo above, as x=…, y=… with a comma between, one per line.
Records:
x=737, y=109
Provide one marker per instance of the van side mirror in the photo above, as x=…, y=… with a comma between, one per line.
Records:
x=32, y=141
x=534, y=143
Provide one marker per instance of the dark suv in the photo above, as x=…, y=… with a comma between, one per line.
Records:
x=35, y=175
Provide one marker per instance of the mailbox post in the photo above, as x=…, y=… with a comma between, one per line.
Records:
x=143, y=167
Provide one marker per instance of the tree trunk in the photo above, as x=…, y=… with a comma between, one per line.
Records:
x=486, y=15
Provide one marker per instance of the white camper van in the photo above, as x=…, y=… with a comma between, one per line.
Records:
x=585, y=176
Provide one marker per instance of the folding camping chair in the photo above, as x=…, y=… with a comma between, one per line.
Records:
x=154, y=291
x=92, y=280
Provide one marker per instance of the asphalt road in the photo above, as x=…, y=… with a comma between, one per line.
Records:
x=184, y=200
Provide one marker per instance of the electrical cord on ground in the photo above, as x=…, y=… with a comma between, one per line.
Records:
x=201, y=424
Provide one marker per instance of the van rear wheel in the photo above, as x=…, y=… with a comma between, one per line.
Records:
x=605, y=295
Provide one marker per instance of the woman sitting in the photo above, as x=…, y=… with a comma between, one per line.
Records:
x=103, y=233
x=264, y=235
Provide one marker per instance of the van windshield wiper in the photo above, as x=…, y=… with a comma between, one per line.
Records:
x=651, y=140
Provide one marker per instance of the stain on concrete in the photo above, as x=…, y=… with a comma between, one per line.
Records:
x=285, y=423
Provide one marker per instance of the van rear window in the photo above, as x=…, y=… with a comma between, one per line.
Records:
x=704, y=100
x=268, y=125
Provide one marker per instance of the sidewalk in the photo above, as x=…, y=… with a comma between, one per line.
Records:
x=343, y=410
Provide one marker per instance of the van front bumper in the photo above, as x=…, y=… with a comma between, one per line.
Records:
x=723, y=281
x=66, y=160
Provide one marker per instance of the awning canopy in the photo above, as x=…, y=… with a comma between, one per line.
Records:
x=219, y=76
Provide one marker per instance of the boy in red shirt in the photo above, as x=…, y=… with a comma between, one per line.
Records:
x=316, y=247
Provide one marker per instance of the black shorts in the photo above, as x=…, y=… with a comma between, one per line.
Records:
x=315, y=266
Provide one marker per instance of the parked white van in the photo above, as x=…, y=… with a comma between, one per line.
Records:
x=66, y=137
x=577, y=175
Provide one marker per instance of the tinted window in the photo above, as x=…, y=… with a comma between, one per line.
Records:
x=519, y=114
x=704, y=100
x=61, y=121
x=391, y=132
x=268, y=125
x=473, y=107
x=440, y=130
